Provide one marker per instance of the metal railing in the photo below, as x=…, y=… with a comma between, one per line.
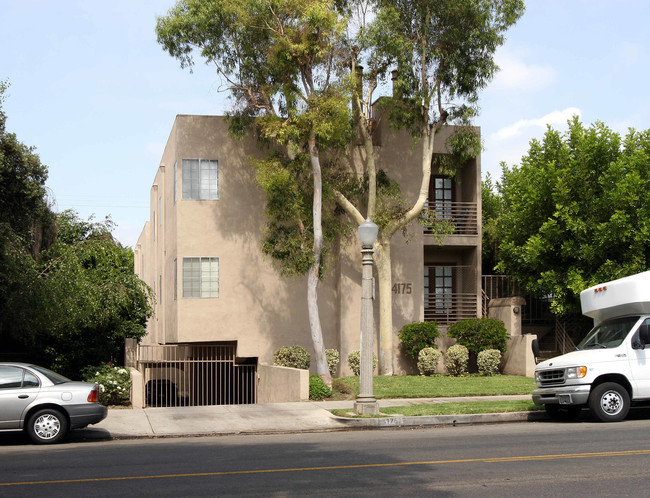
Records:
x=445, y=309
x=463, y=216
x=563, y=342
x=535, y=311
x=195, y=375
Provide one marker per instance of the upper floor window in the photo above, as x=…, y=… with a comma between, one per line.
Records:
x=200, y=277
x=441, y=196
x=200, y=179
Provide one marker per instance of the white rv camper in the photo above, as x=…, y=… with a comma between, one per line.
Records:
x=610, y=368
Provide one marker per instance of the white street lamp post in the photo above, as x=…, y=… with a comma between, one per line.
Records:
x=366, y=404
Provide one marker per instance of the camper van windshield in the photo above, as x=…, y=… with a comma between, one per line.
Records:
x=608, y=334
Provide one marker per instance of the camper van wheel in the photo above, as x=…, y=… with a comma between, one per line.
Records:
x=561, y=413
x=610, y=402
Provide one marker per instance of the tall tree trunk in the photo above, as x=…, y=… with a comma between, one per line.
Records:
x=312, y=281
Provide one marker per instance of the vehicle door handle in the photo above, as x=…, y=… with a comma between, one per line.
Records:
x=23, y=396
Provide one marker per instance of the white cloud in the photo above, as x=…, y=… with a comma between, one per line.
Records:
x=552, y=118
x=515, y=74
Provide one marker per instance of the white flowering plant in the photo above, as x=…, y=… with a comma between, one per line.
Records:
x=114, y=383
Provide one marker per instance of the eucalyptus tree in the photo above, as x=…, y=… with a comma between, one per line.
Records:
x=278, y=59
x=442, y=53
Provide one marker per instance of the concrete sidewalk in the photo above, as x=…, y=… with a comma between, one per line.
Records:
x=310, y=416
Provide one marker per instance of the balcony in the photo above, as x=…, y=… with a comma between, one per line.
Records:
x=450, y=294
x=449, y=308
x=462, y=215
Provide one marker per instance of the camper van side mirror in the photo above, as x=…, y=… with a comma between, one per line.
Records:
x=535, y=347
x=644, y=336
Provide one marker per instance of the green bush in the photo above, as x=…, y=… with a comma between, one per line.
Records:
x=114, y=383
x=488, y=361
x=332, y=356
x=317, y=388
x=456, y=359
x=354, y=362
x=292, y=356
x=428, y=360
x=477, y=334
x=417, y=336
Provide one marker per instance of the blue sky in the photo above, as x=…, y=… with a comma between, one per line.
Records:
x=96, y=95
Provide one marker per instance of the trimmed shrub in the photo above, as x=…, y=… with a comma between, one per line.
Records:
x=488, y=361
x=456, y=359
x=477, y=334
x=292, y=356
x=354, y=361
x=417, y=336
x=428, y=360
x=317, y=388
x=332, y=360
x=114, y=383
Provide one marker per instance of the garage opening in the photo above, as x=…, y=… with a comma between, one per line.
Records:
x=196, y=375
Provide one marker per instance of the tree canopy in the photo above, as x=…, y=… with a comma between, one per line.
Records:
x=576, y=213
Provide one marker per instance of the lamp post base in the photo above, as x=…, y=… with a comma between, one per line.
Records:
x=366, y=406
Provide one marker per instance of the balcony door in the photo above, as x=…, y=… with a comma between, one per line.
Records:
x=441, y=196
x=439, y=288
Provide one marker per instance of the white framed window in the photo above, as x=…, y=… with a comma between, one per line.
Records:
x=200, y=277
x=200, y=179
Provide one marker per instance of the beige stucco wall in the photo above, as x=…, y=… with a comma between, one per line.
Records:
x=282, y=384
x=257, y=307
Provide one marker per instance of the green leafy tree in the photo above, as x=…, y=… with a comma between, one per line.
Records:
x=278, y=59
x=26, y=222
x=443, y=53
x=492, y=209
x=82, y=301
x=576, y=212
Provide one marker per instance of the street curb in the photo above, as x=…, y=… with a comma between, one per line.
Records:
x=342, y=424
x=443, y=420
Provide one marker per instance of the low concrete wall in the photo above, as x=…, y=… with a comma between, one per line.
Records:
x=519, y=359
x=137, y=388
x=282, y=384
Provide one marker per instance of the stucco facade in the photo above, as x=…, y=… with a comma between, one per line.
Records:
x=256, y=307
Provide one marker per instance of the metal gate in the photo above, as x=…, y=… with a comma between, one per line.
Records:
x=196, y=375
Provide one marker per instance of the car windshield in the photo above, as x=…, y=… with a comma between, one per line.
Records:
x=54, y=377
x=608, y=334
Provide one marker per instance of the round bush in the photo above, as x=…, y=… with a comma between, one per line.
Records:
x=428, y=360
x=354, y=362
x=477, y=334
x=317, y=388
x=114, y=383
x=417, y=336
x=456, y=359
x=488, y=361
x=292, y=356
x=332, y=360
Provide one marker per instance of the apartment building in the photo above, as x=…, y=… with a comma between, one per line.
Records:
x=200, y=252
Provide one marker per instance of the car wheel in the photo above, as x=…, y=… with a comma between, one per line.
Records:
x=561, y=413
x=609, y=402
x=47, y=426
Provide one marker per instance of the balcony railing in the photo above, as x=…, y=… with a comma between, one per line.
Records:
x=462, y=215
x=445, y=309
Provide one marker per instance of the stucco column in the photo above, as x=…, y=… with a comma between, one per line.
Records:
x=508, y=310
